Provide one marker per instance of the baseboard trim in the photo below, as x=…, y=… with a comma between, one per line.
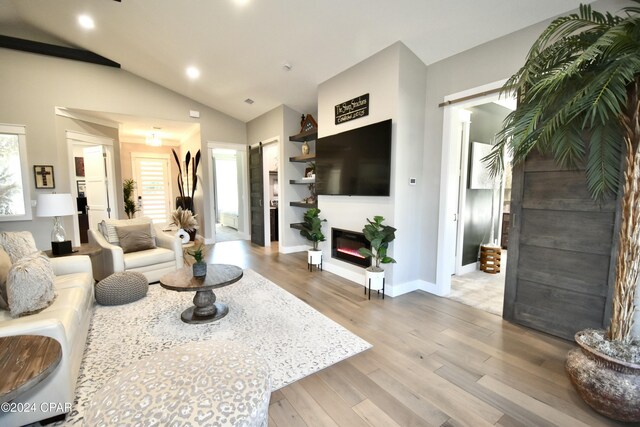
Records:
x=344, y=273
x=469, y=268
x=293, y=249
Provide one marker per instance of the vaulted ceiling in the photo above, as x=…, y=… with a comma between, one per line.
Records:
x=241, y=47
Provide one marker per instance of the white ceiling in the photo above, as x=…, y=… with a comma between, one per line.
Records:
x=241, y=50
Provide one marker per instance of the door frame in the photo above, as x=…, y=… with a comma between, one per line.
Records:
x=243, y=193
x=75, y=138
x=450, y=183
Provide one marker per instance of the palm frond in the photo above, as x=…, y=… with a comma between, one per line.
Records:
x=603, y=161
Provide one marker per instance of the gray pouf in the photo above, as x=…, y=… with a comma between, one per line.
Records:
x=121, y=288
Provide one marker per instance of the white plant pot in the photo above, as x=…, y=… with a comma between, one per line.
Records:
x=377, y=278
x=314, y=257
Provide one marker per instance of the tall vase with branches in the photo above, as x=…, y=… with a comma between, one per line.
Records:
x=579, y=101
x=187, y=190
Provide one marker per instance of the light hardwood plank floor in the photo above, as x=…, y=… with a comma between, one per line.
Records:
x=434, y=361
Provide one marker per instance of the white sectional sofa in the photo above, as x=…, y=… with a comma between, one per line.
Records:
x=67, y=320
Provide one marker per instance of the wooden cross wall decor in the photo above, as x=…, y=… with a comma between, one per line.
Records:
x=44, y=176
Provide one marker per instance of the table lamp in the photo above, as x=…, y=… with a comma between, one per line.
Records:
x=56, y=205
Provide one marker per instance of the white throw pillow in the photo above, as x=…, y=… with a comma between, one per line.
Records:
x=30, y=285
x=18, y=244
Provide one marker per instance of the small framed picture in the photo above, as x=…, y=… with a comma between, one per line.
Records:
x=79, y=161
x=82, y=187
x=43, y=176
x=308, y=172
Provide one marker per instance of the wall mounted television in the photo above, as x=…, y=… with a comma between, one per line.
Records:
x=356, y=162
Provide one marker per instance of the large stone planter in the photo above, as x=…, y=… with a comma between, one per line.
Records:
x=610, y=386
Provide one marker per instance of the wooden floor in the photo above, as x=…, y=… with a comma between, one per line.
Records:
x=434, y=361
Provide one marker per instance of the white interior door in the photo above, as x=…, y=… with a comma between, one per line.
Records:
x=95, y=166
x=151, y=174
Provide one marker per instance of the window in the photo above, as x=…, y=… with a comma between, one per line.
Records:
x=14, y=177
x=151, y=173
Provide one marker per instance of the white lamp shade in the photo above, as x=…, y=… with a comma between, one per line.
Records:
x=55, y=204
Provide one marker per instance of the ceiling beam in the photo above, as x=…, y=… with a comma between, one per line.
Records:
x=54, y=50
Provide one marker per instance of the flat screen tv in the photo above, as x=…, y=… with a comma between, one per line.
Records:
x=356, y=162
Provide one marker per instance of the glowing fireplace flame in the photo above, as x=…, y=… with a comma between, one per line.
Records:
x=351, y=252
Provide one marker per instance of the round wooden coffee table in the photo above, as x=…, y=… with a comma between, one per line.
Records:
x=205, y=308
x=26, y=361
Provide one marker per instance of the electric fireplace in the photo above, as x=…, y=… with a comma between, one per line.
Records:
x=345, y=245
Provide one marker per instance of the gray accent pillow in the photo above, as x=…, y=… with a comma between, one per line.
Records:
x=5, y=266
x=30, y=285
x=135, y=237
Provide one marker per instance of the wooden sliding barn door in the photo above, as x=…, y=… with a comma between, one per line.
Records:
x=257, y=195
x=559, y=266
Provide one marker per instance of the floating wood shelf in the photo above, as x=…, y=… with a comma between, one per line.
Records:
x=308, y=135
x=303, y=204
x=296, y=225
x=302, y=181
x=303, y=158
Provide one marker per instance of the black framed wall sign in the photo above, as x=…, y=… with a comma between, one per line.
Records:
x=352, y=109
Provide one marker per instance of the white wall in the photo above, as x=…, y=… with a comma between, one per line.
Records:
x=409, y=152
x=487, y=63
x=36, y=84
x=395, y=81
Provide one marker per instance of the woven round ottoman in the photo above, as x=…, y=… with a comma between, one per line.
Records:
x=211, y=383
x=121, y=288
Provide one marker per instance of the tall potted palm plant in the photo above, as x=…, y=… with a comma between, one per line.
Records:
x=579, y=100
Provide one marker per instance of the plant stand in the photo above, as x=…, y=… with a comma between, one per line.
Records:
x=314, y=258
x=376, y=280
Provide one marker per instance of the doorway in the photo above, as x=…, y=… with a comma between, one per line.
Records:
x=152, y=186
x=227, y=185
x=479, y=204
x=264, y=191
x=228, y=191
x=92, y=172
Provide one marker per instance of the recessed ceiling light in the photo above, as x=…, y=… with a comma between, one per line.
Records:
x=86, y=22
x=241, y=2
x=193, y=73
x=249, y=101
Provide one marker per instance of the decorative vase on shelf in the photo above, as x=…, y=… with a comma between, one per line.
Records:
x=305, y=148
x=199, y=269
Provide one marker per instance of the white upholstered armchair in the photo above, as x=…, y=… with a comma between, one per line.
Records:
x=153, y=262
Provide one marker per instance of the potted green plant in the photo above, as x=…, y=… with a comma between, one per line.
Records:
x=199, y=267
x=130, y=207
x=579, y=100
x=312, y=231
x=379, y=235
